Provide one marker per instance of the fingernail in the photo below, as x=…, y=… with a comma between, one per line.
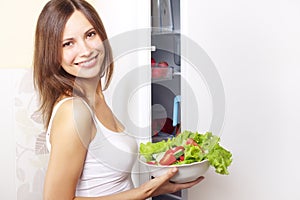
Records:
x=174, y=170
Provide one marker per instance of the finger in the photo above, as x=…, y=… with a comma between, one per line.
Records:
x=167, y=176
x=201, y=178
x=171, y=172
x=192, y=183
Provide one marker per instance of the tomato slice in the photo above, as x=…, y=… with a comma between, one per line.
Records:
x=152, y=162
x=181, y=158
x=191, y=141
x=168, y=159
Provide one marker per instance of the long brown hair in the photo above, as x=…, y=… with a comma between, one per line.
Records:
x=50, y=79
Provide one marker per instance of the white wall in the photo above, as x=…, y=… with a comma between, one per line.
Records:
x=7, y=142
x=255, y=46
x=17, y=21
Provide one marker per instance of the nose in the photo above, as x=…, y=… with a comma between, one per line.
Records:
x=84, y=49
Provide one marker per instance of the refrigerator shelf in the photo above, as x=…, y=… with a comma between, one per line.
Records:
x=163, y=73
x=161, y=31
x=167, y=197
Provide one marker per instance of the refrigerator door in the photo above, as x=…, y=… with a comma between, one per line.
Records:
x=254, y=47
x=129, y=33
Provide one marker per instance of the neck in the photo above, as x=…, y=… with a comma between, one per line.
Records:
x=93, y=90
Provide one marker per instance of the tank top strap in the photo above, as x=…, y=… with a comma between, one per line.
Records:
x=55, y=108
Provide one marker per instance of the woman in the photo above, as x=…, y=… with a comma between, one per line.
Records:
x=85, y=140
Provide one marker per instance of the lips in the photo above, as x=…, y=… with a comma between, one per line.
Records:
x=88, y=63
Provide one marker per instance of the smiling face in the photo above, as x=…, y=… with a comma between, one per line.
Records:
x=82, y=48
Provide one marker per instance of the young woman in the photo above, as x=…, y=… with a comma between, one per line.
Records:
x=86, y=142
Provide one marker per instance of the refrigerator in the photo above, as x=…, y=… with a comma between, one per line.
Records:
x=236, y=75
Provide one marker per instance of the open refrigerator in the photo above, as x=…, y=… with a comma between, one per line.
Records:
x=156, y=91
x=165, y=75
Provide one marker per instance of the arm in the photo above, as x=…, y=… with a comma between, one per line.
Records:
x=154, y=187
x=71, y=132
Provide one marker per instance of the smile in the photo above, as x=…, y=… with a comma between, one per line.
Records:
x=88, y=63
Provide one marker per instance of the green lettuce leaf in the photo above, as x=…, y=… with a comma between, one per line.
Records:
x=217, y=156
x=180, y=139
x=207, y=141
x=148, y=149
x=220, y=159
x=191, y=154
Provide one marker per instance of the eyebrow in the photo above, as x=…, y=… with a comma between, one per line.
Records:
x=71, y=38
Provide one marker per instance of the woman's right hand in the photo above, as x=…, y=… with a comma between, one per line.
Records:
x=162, y=185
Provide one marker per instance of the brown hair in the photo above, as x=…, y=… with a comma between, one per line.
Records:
x=50, y=79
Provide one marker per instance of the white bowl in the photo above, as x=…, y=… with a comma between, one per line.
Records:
x=186, y=172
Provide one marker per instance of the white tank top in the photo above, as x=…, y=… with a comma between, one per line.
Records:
x=109, y=160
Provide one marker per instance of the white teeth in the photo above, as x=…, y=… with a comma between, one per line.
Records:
x=88, y=63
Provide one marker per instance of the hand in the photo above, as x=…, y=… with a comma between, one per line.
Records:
x=162, y=185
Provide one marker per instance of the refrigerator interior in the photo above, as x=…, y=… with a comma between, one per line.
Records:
x=165, y=75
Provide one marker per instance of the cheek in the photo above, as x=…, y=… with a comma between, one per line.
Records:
x=67, y=57
x=101, y=51
x=97, y=44
x=67, y=62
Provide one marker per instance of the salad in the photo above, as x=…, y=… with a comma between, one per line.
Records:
x=188, y=147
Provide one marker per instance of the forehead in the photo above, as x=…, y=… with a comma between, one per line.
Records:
x=76, y=24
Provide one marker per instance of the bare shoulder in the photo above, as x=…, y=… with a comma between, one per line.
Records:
x=73, y=120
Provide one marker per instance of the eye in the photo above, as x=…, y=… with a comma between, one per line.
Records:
x=91, y=34
x=66, y=44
